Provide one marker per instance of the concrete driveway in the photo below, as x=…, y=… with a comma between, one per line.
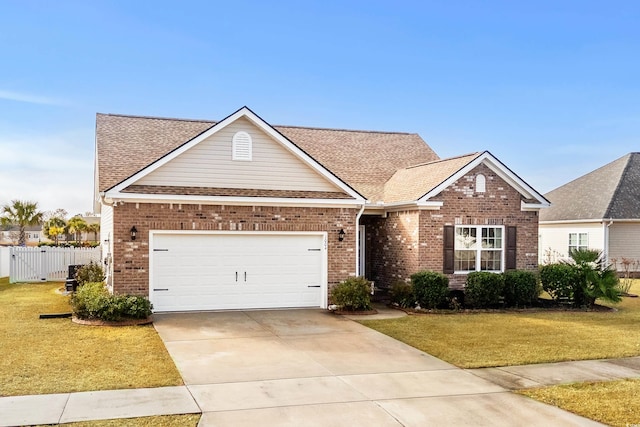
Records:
x=313, y=368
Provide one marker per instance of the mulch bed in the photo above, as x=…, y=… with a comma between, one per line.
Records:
x=357, y=313
x=126, y=322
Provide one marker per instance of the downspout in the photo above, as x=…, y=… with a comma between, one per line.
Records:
x=606, y=239
x=358, y=254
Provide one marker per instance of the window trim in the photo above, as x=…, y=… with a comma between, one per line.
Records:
x=479, y=250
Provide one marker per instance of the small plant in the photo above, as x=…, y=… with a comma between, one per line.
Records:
x=354, y=294
x=596, y=279
x=93, y=301
x=431, y=289
x=90, y=273
x=483, y=289
x=521, y=288
x=402, y=294
x=628, y=265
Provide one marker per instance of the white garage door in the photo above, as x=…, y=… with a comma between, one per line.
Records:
x=236, y=271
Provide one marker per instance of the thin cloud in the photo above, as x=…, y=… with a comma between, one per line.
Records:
x=31, y=99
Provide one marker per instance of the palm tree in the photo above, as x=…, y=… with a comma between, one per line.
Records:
x=54, y=228
x=77, y=225
x=21, y=214
x=95, y=229
x=597, y=278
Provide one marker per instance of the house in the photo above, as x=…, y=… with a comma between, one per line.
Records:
x=10, y=235
x=235, y=214
x=600, y=210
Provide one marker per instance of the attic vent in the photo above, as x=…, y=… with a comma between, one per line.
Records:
x=242, y=146
x=481, y=183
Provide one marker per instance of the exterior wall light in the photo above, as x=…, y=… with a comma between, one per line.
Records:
x=341, y=234
x=134, y=231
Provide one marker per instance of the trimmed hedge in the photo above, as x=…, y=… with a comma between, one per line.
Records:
x=483, y=289
x=90, y=273
x=93, y=301
x=431, y=289
x=354, y=294
x=521, y=288
x=560, y=281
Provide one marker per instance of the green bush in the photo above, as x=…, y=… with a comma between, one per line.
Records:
x=90, y=273
x=354, y=294
x=560, y=281
x=483, y=289
x=431, y=289
x=520, y=288
x=596, y=279
x=93, y=301
x=402, y=294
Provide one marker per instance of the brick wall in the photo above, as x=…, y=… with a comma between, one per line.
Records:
x=131, y=258
x=395, y=238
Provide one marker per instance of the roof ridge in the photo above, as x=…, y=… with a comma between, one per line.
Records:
x=135, y=116
x=443, y=160
x=344, y=130
x=607, y=212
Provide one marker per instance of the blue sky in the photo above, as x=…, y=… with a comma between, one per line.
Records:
x=549, y=87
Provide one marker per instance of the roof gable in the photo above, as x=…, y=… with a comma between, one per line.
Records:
x=212, y=163
x=611, y=191
x=146, y=176
x=420, y=183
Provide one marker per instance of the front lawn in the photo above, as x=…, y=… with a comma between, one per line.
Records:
x=41, y=356
x=614, y=403
x=477, y=340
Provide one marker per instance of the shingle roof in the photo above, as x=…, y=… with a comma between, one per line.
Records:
x=413, y=182
x=364, y=160
x=612, y=191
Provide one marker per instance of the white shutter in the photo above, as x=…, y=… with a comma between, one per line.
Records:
x=242, y=146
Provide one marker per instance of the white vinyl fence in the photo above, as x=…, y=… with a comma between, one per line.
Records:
x=4, y=261
x=47, y=263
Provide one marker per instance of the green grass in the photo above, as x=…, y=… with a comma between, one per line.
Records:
x=40, y=356
x=614, y=403
x=475, y=340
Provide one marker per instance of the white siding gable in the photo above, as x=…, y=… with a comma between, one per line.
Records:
x=211, y=163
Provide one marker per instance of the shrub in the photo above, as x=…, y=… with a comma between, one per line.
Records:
x=520, y=288
x=354, y=294
x=595, y=278
x=559, y=280
x=90, y=273
x=93, y=301
x=431, y=289
x=402, y=294
x=483, y=289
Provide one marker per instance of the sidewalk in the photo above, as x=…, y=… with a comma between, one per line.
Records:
x=111, y=404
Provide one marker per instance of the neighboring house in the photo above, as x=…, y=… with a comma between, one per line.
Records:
x=600, y=210
x=240, y=214
x=9, y=235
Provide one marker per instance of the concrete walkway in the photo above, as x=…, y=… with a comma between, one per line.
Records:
x=309, y=367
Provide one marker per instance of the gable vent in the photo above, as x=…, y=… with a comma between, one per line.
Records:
x=242, y=146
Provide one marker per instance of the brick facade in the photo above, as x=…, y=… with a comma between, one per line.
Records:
x=131, y=258
x=410, y=241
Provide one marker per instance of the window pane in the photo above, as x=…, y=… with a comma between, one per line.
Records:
x=492, y=238
x=583, y=240
x=490, y=260
x=465, y=238
x=465, y=260
x=573, y=239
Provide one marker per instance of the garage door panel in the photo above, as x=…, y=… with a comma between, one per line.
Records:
x=236, y=271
